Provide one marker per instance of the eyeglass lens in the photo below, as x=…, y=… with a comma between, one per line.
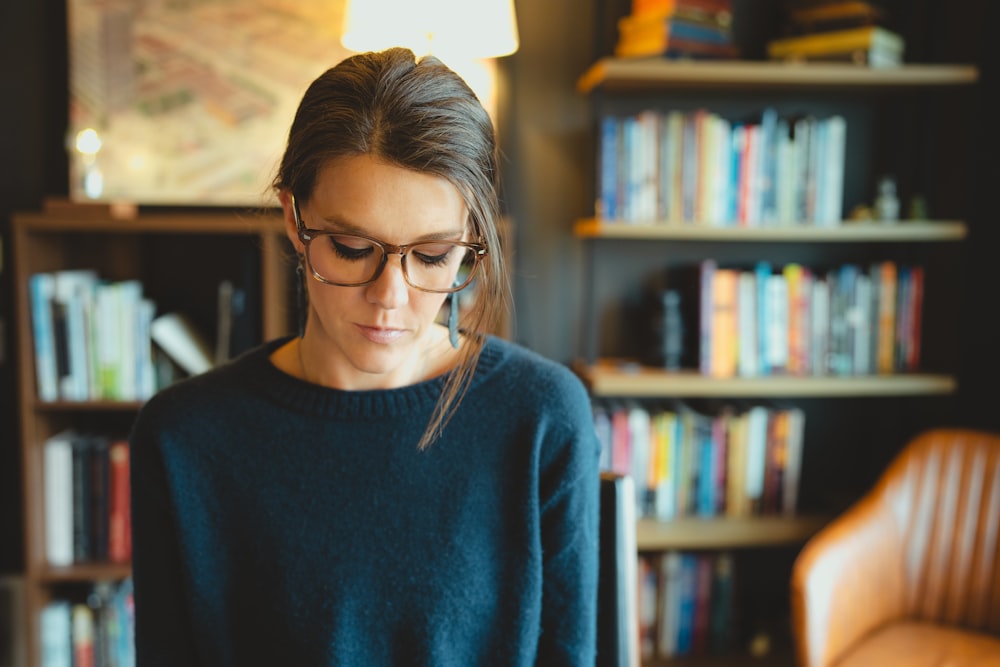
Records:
x=352, y=260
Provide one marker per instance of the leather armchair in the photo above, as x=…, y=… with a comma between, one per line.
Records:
x=910, y=574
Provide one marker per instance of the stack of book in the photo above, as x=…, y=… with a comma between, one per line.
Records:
x=838, y=30
x=677, y=29
x=686, y=605
x=732, y=461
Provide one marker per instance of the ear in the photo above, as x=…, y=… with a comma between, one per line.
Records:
x=288, y=217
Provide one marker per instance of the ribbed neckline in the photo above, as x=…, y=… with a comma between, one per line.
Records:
x=311, y=399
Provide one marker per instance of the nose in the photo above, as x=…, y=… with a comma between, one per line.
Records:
x=390, y=289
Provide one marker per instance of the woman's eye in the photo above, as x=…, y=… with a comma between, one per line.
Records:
x=435, y=254
x=351, y=248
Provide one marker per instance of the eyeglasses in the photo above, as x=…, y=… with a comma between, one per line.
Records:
x=354, y=260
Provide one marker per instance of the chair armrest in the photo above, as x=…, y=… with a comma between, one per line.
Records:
x=847, y=581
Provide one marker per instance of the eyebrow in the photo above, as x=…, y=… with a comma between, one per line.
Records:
x=340, y=226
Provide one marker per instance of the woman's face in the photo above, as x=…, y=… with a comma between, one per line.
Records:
x=380, y=335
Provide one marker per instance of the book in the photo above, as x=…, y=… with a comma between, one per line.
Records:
x=55, y=629
x=838, y=43
x=836, y=15
x=669, y=606
x=57, y=478
x=119, y=503
x=82, y=488
x=41, y=287
x=176, y=335
x=617, y=620
x=72, y=303
x=98, y=504
x=83, y=636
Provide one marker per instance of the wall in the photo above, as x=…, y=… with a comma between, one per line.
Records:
x=32, y=121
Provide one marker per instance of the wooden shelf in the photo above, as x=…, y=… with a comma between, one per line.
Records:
x=85, y=573
x=725, y=532
x=780, y=658
x=87, y=406
x=623, y=378
x=848, y=232
x=625, y=74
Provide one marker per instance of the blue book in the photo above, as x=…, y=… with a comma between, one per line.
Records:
x=41, y=287
x=686, y=608
x=762, y=271
x=607, y=187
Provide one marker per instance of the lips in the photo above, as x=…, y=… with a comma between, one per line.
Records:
x=380, y=335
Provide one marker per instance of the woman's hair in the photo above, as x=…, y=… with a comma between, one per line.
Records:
x=418, y=115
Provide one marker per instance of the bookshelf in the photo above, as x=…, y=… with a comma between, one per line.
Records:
x=853, y=421
x=180, y=258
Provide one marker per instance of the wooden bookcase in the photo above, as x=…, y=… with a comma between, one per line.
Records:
x=854, y=423
x=180, y=258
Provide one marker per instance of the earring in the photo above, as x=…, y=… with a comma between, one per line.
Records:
x=453, y=320
x=300, y=295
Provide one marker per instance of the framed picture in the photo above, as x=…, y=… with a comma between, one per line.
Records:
x=188, y=102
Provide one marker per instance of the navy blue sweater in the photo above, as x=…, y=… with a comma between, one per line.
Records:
x=276, y=522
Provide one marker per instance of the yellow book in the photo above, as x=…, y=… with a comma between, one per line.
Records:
x=864, y=38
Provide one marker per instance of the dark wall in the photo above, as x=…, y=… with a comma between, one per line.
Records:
x=32, y=126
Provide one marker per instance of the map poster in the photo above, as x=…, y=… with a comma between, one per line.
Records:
x=188, y=102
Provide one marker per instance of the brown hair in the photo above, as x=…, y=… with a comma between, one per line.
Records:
x=422, y=116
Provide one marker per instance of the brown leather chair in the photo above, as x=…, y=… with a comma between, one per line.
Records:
x=910, y=574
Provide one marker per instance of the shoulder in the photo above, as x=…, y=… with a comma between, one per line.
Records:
x=510, y=363
x=192, y=399
x=523, y=381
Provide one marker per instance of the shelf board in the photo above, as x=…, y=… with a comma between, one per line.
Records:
x=778, y=658
x=624, y=74
x=87, y=406
x=725, y=532
x=223, y=222
x=85, y=573
x=867, y=232
x=622, y=378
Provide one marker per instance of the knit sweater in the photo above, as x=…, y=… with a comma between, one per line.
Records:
x=277, y=522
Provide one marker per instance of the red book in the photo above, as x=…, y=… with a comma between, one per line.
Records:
x=119, y=512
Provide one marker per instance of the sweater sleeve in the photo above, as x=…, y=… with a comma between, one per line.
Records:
x=163, y=624
x=569, y=503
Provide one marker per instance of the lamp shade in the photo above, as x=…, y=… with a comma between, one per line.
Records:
x=462, y=29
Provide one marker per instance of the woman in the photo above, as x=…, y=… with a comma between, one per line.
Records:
x=382, y=489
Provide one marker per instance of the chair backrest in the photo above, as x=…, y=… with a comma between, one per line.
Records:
x=943, y=491
x=617, y=605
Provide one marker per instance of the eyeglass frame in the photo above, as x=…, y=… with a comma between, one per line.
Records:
x=307, y=236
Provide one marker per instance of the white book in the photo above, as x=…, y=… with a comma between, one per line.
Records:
x=55, y=628
x=639, y=432
x=145, y=373
x=746, y=303
x=57, y=476
x=129, y=295
x=777, y=322
x=107, y=337
x=756, y=454
x=176, y=335
x=833, y=189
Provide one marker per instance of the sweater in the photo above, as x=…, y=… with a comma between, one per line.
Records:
x=278, y=522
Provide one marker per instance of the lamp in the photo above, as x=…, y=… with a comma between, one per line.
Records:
x=450, y=29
